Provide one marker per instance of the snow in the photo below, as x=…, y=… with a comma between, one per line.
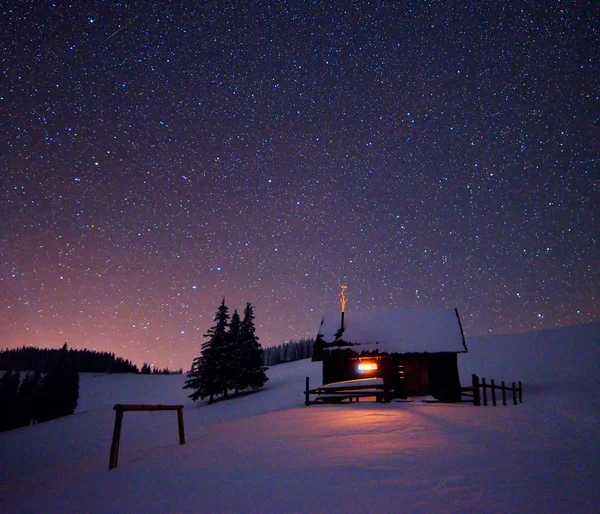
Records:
x=399, y=330
x=266, y=452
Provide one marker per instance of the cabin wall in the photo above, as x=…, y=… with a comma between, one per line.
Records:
x=434, y=374
x=444, y=378
x=424, y=374
x=342, y=369
x=337, y=370
x=414, y=379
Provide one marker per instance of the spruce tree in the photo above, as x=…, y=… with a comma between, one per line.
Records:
x=252, y=372
x=235, y=351
x=208, y=375
x=28, y=398
x=9, y=386
x=59, y=390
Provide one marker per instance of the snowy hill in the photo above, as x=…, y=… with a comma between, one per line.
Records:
x=564, y=358
x=267, y=452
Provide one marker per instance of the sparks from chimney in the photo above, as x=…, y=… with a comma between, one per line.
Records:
x=343, y=298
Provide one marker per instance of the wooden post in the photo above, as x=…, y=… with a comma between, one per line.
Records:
x=114, y=448
x=503, y=393
x=180, y=425
x=493, y=386
x=306, y=394
x=514, y=391
x=483, y=387
x=476, y=397
x=520, y=392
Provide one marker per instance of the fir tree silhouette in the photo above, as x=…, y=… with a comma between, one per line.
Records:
x=208, y=375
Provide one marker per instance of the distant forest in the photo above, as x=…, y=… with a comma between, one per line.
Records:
x=39, y=397
x=31, y=358
x=288, y=352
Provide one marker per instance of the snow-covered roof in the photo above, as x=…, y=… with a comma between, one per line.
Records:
x=397, y=331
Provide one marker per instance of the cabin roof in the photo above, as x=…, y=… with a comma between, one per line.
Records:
x=429, y=330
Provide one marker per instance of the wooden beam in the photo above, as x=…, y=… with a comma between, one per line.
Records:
x=520, y=392
x=350, y=388
x=307, y=393
x=114, y=448
x=476, y=394
x=136, y=407
x=180, y=426
x=484, y=389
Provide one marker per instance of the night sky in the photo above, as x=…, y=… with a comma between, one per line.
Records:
x=157, y=158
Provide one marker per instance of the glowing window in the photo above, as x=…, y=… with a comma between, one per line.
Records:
x=367, y=366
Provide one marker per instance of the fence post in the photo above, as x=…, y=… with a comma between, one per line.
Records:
x=114, y=448
x=306, y=394
x=476, y=397
x=493, y=386
x=520, y=392
x=503, y=393
x=180, y=425
x=484, y=390
x=514, y=391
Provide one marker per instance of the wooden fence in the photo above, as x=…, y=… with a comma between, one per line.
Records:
x=120, y=409
x=478, y=391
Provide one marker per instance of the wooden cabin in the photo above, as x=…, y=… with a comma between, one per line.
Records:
x=413, y=351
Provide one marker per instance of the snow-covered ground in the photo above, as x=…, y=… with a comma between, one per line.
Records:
x=267, y=452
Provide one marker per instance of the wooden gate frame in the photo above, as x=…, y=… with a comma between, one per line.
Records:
x=120, y=409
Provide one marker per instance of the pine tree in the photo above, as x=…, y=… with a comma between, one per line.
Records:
x=59, y=390
x=235, y=351
x=252, y=372
x=9, y=386
x=28, y=398
x=207, y=376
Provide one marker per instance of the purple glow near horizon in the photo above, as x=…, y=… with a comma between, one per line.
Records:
x=156, y=159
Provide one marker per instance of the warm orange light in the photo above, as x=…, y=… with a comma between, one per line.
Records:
x=343, y=298
x=367, y=366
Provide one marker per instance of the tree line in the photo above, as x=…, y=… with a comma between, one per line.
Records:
x=230, y=359
x=288, y=352
x=31, y=358
x=39, y=396
x=150, y=370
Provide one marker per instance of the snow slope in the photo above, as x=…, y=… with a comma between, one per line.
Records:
x=267, y=452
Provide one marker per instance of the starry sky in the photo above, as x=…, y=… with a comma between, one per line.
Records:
x=159, y=156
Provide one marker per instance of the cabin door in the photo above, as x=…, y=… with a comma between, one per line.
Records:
x=398, y=378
